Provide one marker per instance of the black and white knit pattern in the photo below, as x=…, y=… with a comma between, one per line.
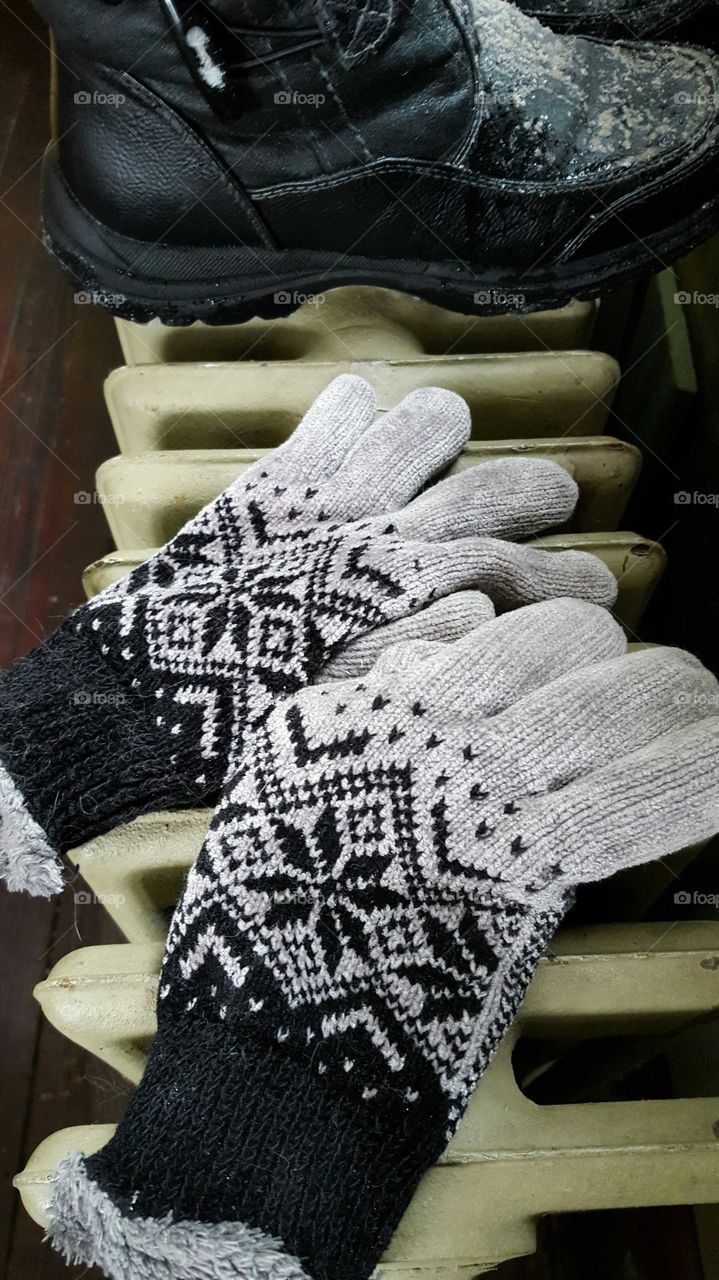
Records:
x=382, y=874
x=332, y=907
x=308, y=566
x=289, y=567
x=375, y=886
x=237, y=613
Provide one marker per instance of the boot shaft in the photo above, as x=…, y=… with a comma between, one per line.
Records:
x=274, y=91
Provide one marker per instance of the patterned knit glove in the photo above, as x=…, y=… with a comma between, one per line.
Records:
x=133, y=703
x=380, y=878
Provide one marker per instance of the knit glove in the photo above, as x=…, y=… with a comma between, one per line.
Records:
x=134, y=702
x=379, y=881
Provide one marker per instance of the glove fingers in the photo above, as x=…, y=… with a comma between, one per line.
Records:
x=507, y=498
x=508, y=573
x=402, y=451
x=514, y=575
x=336, y=420
x=641, y=807
x=596, y=714
x=394, y=645
x=501, y=662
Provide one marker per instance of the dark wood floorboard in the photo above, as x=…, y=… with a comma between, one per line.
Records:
x=54, y=432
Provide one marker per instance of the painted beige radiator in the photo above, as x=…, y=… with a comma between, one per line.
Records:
x=365, y=321
x=511, y=1160
x=246, y=386
x=257, y=403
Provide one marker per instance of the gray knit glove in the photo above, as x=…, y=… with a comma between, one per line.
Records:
x=380, y=878
x=135, y=702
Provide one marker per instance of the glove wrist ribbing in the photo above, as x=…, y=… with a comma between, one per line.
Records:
x=80, y=752
x=216, y=1157
x=266, y=1166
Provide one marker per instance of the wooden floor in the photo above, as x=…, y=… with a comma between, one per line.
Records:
x=53, y=433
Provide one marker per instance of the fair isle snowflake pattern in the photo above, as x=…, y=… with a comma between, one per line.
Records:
x=314, y=549
x=229, y=618
x=341, y=907
x=249, y=601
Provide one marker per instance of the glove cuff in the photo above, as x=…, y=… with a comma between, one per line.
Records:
x=78, y=754
x=232, y=1150
x=28, y=862
x=89, y=1228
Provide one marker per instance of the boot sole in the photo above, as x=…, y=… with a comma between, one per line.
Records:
x=231, y=284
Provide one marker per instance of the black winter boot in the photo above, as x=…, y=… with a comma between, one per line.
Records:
x=220, y=160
